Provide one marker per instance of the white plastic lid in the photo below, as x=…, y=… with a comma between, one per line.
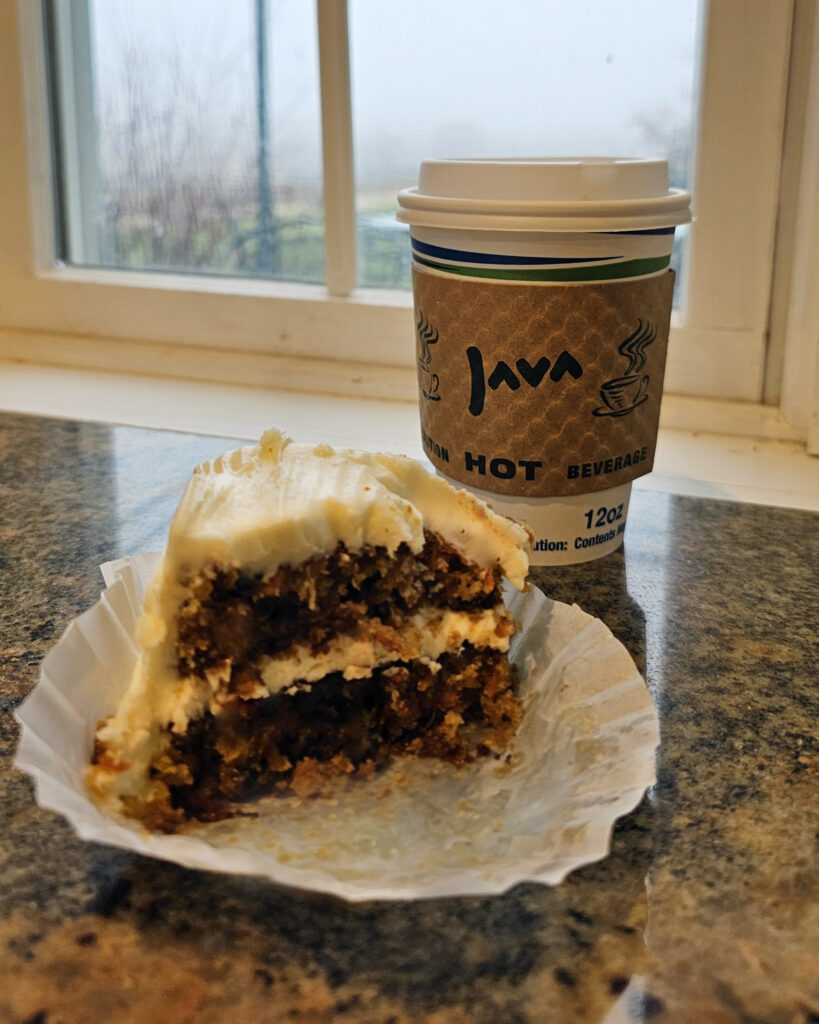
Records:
x=553, y=194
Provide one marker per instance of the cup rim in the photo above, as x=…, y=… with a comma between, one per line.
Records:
x=421, y=210
x=625, y=380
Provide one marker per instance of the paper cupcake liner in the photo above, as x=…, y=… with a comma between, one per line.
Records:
x=583, y=756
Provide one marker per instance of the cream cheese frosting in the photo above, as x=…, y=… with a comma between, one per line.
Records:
x=280, y=501
x=428, y=634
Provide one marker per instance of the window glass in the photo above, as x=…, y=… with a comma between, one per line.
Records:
x=478, y=78
x=193, y=168
x=186, y=164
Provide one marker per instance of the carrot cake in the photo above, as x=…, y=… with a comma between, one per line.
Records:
x=316, y=613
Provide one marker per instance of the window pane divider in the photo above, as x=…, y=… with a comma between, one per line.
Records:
x=77, y=146
x=337, y=146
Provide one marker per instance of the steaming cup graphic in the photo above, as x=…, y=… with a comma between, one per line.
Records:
x=622, y=394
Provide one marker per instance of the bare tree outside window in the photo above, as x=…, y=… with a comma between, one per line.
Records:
x=179, y=140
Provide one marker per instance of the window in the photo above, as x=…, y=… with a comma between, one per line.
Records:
x=483, y=79
x=286, y=277
x=188, y=136
x=187, y=140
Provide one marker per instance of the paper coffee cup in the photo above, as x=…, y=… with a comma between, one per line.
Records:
x=542, y=295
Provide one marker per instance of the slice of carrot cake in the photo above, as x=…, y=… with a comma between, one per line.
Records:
x=316, y=613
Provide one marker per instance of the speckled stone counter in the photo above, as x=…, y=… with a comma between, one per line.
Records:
x=706, y=910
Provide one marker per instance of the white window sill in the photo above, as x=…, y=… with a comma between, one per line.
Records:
x=712, y=465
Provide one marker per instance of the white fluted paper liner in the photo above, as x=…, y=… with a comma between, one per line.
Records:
x=583, y=756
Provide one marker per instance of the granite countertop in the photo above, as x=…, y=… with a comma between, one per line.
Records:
x=706, y=909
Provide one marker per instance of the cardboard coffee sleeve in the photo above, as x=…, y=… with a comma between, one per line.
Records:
x=541, y=391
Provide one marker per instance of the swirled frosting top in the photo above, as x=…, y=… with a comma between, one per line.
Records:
x=280, y=502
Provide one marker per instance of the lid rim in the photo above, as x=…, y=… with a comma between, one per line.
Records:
x=575, y=222
x=604, y=215
x=411, y=198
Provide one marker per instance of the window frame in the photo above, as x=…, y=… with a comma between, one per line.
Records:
x=349, y=340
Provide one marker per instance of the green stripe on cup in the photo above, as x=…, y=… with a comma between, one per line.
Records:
x=598, y=272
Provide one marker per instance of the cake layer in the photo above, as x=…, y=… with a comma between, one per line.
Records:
x=235, y=615
x=301, y=742
x=427, y=635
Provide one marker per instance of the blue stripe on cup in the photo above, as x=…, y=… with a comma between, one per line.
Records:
x=499, y=259
x=616, y=270
x=646, y=231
